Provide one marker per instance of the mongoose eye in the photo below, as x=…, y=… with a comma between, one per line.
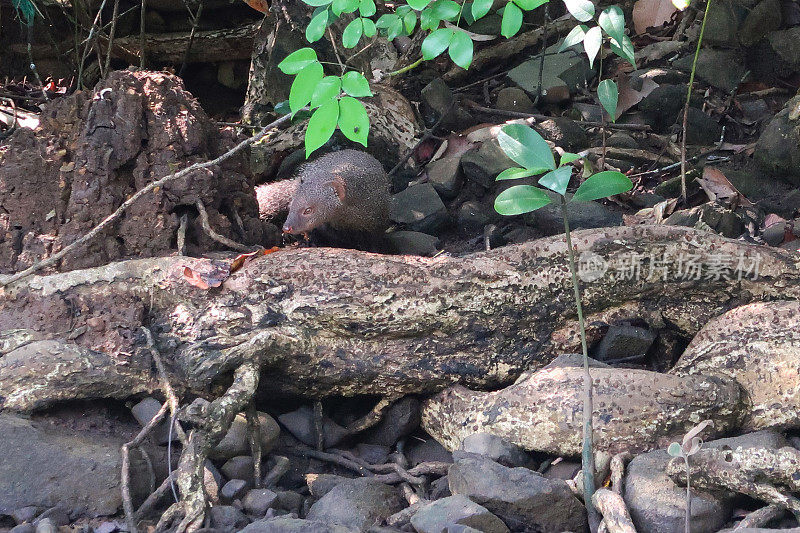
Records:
x=308, y=210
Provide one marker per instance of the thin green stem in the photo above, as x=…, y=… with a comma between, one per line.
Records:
x=688, y=526
x=405, y=69
x=686, y=105
x=587, y=457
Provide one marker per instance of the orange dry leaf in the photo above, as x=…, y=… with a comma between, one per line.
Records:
x=258, y=5
x=717, y=186
x=242, y=259
x=651, y=13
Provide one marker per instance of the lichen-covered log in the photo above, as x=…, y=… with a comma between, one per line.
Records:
x=332, y=321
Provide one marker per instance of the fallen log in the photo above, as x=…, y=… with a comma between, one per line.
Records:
x=330, y=321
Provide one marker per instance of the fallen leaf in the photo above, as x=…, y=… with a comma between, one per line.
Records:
x=258, y=5
x=651, y=14
x=242, y=260
x=205, y=281
x=628, y=96
x=717, y=187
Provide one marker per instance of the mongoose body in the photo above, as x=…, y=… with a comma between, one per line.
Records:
x=343, y=198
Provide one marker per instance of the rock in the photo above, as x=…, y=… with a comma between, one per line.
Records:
x=236, y=441
x=764, y=18
x=227, y=518
x=563, y=72
x=711, y=216
x=436, y=516
x=24, y=514
x=473, y=215
x=300, y=423
x=621, y=342
x=583, y=215
x=46, y=526
x=289, y=500
x=563, y=132
x=111, y=526
x=413, y=243
x=428, y=451
x=257, y=501
x=786, y=44
x=722, y=69
x=23, y=528
x=496, y=449
x=722, y=26
x=321, y=484
x=522, y=498
x=233, y=490
x=286, y=524
x=239, y=467
x=440, y=488
x=563, y=470
x=622, y=140
x=57, y=515
x=46, y=464
x=701, y=129
x=438, y=101
x=374, y=454
x=775, y=234
x=656, y=503
x=751, y=345
x=357, y=504
x=445, y=175
x=144, y=411
x=663, y=106
x=482, y=165
x=419, y=208
x=776, y=150
x=514, y=99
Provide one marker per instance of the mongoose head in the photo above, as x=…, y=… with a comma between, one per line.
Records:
x=315, y=203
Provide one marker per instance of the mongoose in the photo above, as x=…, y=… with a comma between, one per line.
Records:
x=340, y=199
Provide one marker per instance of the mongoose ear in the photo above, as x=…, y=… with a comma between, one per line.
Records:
x=338, y=188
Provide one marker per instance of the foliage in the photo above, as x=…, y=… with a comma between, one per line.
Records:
x=26, y=10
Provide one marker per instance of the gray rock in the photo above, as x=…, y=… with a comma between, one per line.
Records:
x=786, y=44
x=373, y=453
x=663, y=105
x=144, y=411
x=46, y=526
x=496, y=449
x=357, y=504
x=776, y=150
x=715, y=216
x=563, y=470
x=436, y=516
x=775, y=234
x=45, y=465
x=514, y=99
x=520, y=497
x=321, y=484
x=445, y=175
x=758, y=439
x=236, y=442
x=764, y=18
x=428, y=451
x=289, y=500
x=473, y=215
x=563, y=73
x=413, y=243
x=58, y=515
x=583, y=215
x=440, y=488
x=227, y=518
x=656, y=503
x=419, y=208
x=563, y=132
x=24, y=514
x=722, y=25
x=23, y=528
x=285, y=524
x=300, y=423
x=624, y=341
x=233, y=490
x=622, y=140
x=257, y=501
x=111, y=526
x=482, y=165
x=239, y=467
x=437, y=99
x=701, y=129
x=722, y=69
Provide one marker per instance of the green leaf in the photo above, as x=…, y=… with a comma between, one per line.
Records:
x=576, y=36
x=344, y=6
x=26, y=8
x=386, y=20
x=530, y=5
x=612, y=20
x=461, y=49
x=512, y=20
x=298, y=60
x=446, y=9
x=352, y=33
x=316, y=28
x=583, y=10
x=520, y=199
x=480, y=8
x=366, y=8
x=355, y=84
x=401, y=11
x=409, y=22
x=608, y=94
x=327, y=89
x=436, y=43
x=282, y=108
x=602, y=185
x=557, y=180
x=428, y=20
x=321, y=125
x=304, y=85
x=353, y=120
x=526, y=148
x=369, y=27
x=592, y=42
x=568, y=157
x=675, y=450
x=625, y=51
x=515, y=173
x=317, y=3
x=419, y=5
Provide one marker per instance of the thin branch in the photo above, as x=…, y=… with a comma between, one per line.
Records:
x=111, y=33
x=216, y=236
x=587, y=123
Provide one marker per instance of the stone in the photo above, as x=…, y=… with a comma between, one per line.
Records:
x=239, y=467
x=236, y=440
x=563, y=72
x=563, y=132
x=522, y=498
x=663, y=106
x=722, y=69
x=24, y=514
x=722, y=25
x=321, y=484
x=786, y=44
x=622, y=140
x=437, y=100
x=483, y=164
x=775, y=234
x=46, y=526
x=233, y=490
x=701, y=129
x=777, y=148
x=285, y=524
x=656, y=503
x=711, y=216
x=563, y=470
x=23, y=528
x=419, y=208
x=473, y=215
x=440, y=488
x=300, y=423
x=227, y=518
x=58, y=515
x=497, y=449
x=764, y=18
x=436, y=516
x=621, y=342
x=514, y=99
x=289, y=500
x=413, y=243
x=357, y=504
x=445, y=175
x=257, y=501
x=427, y=451
x=374, y=454
x=582, y=215
x=144, y=411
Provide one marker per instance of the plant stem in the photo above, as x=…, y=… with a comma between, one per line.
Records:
x=686, y=105
x=688, y=526
x=587, y=457
x=406, y=68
